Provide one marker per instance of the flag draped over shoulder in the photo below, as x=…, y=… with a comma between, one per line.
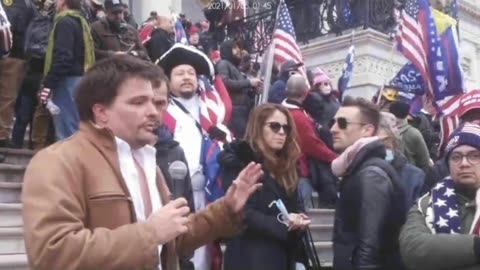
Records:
x=215, y=111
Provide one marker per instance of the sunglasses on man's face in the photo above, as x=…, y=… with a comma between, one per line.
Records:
x=343, y=123
x=276, y=126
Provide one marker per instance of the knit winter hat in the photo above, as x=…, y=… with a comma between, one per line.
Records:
x=320, y=76
x=400, y=109
x=467, y=134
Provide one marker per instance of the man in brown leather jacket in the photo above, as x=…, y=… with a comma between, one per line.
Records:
x=97, y=199
x=112, y=35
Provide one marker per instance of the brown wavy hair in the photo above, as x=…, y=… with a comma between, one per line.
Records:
x=283, y=164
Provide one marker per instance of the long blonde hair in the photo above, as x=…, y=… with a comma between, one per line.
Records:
x=283, y=164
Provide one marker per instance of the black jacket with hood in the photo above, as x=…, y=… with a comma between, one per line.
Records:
x=320, y=107
x=239, y=88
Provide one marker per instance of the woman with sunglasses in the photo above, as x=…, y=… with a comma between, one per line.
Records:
x=271, y=240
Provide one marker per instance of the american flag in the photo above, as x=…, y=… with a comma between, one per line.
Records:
x=180, y=35
x=442, y=213
x=418, y=40
x=284, y=38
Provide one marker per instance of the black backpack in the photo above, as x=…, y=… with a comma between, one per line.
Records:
x=37, y=34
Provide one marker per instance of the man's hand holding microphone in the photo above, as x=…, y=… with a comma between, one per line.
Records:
x=171, y=220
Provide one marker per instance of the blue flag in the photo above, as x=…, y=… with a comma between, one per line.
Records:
x=344, y=79
x=411, y=86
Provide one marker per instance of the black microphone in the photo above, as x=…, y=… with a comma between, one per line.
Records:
x=178, y=171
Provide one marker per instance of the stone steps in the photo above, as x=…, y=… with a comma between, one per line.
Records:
x=325, y=253
x=10, y=215
x=12, y=173
x=10, y=192
x=321, y=216
x=321, y=232
x=14, y=262
x=11, y=241
x=16, y=156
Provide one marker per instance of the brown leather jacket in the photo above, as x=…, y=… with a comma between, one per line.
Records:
x=78, y=214
x=107, y=41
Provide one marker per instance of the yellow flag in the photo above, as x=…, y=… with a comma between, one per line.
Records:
x=442, y=21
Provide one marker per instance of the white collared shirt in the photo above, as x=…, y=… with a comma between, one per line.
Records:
x=187, y=133
x=146, y=157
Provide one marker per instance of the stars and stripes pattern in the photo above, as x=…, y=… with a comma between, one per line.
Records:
x=180, y=35
x=442, y=213
x=410, y=37
x=284, y=38
x=419, y=41
x=215, y=111
x=448, y=124
x=215, y=105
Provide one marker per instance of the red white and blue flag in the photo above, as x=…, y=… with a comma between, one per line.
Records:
x=284, y=38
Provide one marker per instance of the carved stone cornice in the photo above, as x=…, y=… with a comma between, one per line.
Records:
x=381, y=68
x=469, y=7
x=332, y=43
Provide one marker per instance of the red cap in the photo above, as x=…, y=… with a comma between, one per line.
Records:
x=193, y=30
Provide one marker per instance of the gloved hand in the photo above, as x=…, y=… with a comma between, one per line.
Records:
x=43, y=95
x=216, y=134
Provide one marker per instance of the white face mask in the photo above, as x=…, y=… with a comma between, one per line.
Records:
x=389, y=156
x=325, y=89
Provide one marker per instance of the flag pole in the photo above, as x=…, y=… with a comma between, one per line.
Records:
x=268, y=72
x=270, y=62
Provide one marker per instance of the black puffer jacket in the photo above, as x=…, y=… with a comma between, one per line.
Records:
x=239, y=88
x=321, y=108
x=265, y=243
x=369, y=214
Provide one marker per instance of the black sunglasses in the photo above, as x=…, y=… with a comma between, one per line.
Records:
x=275, y=127
x=343, y=123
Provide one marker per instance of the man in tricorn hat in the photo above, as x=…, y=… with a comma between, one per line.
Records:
x=189, y=119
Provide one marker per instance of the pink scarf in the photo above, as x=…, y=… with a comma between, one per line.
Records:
x=341, y=164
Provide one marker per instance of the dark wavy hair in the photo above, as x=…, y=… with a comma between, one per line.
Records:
x=283, y=164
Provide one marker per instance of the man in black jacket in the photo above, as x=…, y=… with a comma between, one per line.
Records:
x=372, y=205
x=163, y=38
x=168, y=152
x=242, y=90
x=69, y=54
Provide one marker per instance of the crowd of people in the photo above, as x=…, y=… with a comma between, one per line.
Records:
x=162, y=153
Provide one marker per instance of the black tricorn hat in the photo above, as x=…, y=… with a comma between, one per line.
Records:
x=181, y=54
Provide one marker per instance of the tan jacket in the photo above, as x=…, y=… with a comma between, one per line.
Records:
x=78, y=214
